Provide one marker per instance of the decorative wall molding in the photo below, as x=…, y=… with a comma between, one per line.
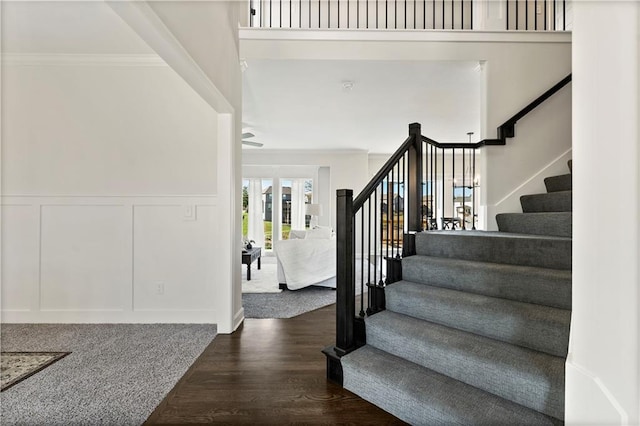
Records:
x=83, y=59
x=110, y=259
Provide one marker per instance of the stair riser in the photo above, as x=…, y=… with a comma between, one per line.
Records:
x=536, y=327
x=550, y=287
x=551, y=224
x=551, y=202
x=419, y=396
x=529, y=378
x=541, y=252
x=558, y=183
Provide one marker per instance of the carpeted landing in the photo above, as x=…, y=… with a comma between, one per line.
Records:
x=116, y=374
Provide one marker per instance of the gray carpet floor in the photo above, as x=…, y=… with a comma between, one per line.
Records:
x=116, y=374
x=287, y=304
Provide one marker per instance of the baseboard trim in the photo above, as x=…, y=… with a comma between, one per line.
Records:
x=238, y=318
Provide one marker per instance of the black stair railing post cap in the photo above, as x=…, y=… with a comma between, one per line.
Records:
x=344, y=192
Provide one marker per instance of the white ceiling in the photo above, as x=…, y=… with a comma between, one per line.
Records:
x=75, y=27
x=302, y=104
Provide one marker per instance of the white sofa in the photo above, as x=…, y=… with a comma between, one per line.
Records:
x=307, y=258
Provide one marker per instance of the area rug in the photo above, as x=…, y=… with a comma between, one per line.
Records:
x=17, y=366
x=263, y=280
x=287, y=304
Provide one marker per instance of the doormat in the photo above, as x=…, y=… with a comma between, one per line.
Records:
x=17, y=366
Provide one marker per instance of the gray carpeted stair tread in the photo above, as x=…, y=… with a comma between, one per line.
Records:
x=497, y=247
x=559, y=201
x=530, y=378
x=558, y=183
x=537, y=327
x=550, y=287
x=556, y=224
x=420, y=396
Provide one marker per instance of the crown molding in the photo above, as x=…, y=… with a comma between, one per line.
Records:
x=43, y=59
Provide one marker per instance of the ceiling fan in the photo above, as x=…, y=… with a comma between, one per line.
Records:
x=248, y=135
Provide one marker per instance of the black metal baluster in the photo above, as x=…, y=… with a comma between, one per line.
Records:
x=432, y=195
x=508, y=27
x=473, y=194
x=358, y=14
x=395, y=14
x=443, y=12
x=564, y=15
x=381, y=228
x=290, y=13
x=270, y=13
x=535, y=13
x=369, y=244
x=545, y=15
x=338, y=13
x=463, y=189
x=453, y=196
x=375, y=245
x=443, y=198
x=526, y=14
x=319, y=12
x=471, y=26
x=280, y=12
x=517, y=9
x=424, y=14
x=405, y=14
x=462, y=14
x=377, y=13
x=555, y=14
x=361, y=261
x=453, y=9
x=433, y=14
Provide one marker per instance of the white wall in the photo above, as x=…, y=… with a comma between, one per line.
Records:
x=603, y=366
x=108, y=194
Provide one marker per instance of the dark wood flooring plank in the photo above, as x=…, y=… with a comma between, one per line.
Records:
x=270, y=371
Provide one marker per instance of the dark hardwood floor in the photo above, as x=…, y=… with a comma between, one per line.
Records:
x=270, y=371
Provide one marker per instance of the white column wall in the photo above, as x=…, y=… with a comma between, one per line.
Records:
x=200, y=41
x=603, y=371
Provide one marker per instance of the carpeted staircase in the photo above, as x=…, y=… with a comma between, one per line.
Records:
x=478, y=329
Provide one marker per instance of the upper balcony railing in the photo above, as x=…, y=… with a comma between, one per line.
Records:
x=520, y=15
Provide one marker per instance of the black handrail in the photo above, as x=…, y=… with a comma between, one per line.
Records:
x=405, y=202
x=507, y=129
x=364, y=195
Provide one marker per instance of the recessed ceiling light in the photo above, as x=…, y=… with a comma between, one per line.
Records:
x=347, y=85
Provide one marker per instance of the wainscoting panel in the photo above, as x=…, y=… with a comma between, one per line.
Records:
x=86, y=257
x=174, y=257
x=20, y=256
x=111, y=259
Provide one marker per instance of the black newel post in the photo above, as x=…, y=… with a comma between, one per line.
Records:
x=346, y=292
x=414, y=190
